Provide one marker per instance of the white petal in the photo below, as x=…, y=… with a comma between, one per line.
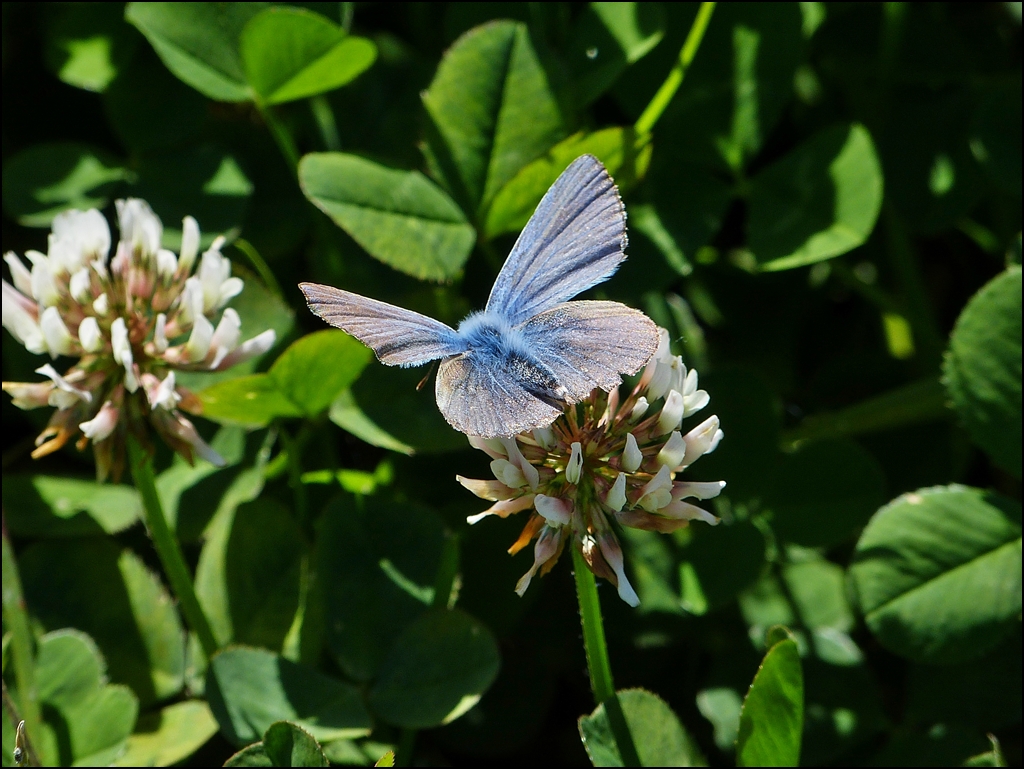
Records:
x=166, y=263
x=545, y=549
x=516, y=457
x=103, y=424
x=102, y=305
x=58, y=339
x=189, y=244
x=631, y=456
x=119, y=343
x=229, y=289
x=258, y=345
x=29, y=395
x=508, y=473
x=225, y=338
x=639, y=409
x=700, y=439
x=616, y=498
x=89, y=335
x=544, y=436
x=214, y=269
x=671, y=413
x=20, y=321
x=87, y=231
x=695, y=402
x=20, y=274
x=671, y=455
x=198, y=344
x=139, y=225
x=697, y=489
x=80, y=286
x=63, y=384
x=556, y=511
x=164, y=395
x=574, y=467
x=44, y=289
x=613, y=555
x=160, y=334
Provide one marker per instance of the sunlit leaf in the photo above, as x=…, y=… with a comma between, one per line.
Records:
x=316, y=368
x=48, y=506
x=937, y=573
x=87, y=44
x=199, y=42
x=251, y=401
x=283, y=744
x=983, y=369
x=658, y=736
x=818, y=202
x=292, y=53
x=168, y=736
x=771, y=722
x=492, y=111
x=399, y=217
x=623, y=153
x=249, y=689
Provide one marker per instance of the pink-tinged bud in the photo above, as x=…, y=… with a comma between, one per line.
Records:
x=19, y=273
x=225, y=338
x=616, y=498
x=671, y=413
x=161, y=394
x=574, y=467
x=548, y=545
x=555, y=510
x=181, y=428
x=252, y=348
x=20, y=317
x=697, y=489
x=491, y=490
x=613, y=555
x=700, y=439
x=672, y=453
x=122, y=350
x=29, y=395
x=64, y=394
x=89, y=335
x=58, y=339
x=189, y=245
x=657, y=492
x=631, y=455
x=504, y=508
x=515, y=456
x=103, y=424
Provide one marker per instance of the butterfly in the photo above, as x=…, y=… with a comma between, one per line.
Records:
x=517, y=364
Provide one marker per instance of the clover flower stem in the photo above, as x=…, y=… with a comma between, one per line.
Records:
x=294, y=445
x=259, y=264
x=284, y=139
x=645, y=123
x=16, y=619
x=167, y=548
x=598, y=664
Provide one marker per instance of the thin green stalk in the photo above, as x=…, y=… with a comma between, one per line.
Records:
x=167, y=547
x=447, y=572
x=598, y=664
x=258, y=264
x=281, y=135
x=324, y=117
x=406, y=743
x=23, y=657
x=294, y=448
x=645, y=124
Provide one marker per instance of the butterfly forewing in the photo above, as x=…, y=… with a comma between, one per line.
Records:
x=398, y=337
x=589, y=344
x=483, y=400
x=575, y=239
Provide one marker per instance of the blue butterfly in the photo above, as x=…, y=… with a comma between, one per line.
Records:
x=518, y=363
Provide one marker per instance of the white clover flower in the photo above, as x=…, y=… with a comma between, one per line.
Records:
x=131, y=322
x=606, y=460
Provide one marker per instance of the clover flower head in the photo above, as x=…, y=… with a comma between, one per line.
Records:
x=604, y=460
x=131, y=319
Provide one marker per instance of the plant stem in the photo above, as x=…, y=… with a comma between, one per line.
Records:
x=167, y=548
x=598, y=664
x=645, y=124
x=16, y=619
x=284, y=139
x=259, y=264
x=324, y=117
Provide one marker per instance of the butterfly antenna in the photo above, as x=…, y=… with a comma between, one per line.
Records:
x=426, y=378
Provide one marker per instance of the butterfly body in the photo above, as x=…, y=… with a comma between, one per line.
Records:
x=515, y=365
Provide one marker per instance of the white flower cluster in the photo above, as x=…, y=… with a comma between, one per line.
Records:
x=605, y=460
x=131, y=320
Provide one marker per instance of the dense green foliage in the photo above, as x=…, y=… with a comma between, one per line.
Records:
x=826, y=217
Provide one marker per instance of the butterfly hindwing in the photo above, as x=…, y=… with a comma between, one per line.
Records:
x=575, y=239
x=398, y=337
x=589, y=344
x=479, y=398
